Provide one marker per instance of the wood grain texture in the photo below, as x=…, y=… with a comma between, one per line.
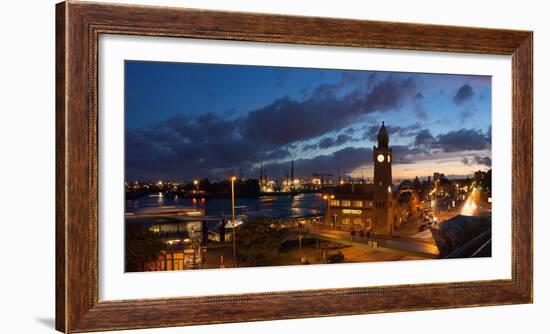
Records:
x=60, y=180
x=78, y=27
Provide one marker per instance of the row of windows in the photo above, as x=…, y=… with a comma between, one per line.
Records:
x=354, y=204
x=380, y=205
x=347, y=221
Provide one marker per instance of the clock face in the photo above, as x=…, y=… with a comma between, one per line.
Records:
x=389, y=158
x=380, y=158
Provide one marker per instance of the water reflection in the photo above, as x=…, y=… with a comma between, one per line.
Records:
x=271, y=206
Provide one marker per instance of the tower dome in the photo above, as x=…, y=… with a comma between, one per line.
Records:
x=383, y=138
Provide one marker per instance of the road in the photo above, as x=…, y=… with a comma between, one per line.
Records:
x=413, y=246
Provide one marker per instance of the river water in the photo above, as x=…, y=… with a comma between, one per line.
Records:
x=300, y=205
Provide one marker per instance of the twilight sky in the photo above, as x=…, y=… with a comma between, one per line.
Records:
x=186, y=121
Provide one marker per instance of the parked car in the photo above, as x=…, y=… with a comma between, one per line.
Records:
x=335, y=258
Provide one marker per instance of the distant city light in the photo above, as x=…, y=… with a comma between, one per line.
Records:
x=230, y=223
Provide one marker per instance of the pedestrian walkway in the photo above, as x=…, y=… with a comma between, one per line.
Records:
x=418, y=247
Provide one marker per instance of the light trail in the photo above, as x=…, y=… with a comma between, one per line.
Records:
x=470, y=206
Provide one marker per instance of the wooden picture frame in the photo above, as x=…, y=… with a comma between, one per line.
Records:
x=78, y=26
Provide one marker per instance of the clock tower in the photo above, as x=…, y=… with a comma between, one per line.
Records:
x=382, y=195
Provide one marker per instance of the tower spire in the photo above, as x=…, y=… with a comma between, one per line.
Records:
x=382, y=196
x=383, y=138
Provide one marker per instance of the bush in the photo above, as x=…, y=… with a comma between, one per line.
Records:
x=141, y=246
x=257, y=239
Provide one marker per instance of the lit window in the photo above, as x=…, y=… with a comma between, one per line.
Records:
x=358, y=204
x=346, y=203
x=335, y=202
x=357, y=221
x=345, y=221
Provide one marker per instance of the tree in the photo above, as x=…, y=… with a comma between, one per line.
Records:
x=257, y=239
x=141, y=246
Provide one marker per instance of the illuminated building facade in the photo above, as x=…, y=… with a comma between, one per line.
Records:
x=367, y=207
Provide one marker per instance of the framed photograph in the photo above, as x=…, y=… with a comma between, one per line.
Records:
x=222, y=166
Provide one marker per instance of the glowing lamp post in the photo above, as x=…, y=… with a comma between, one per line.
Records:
x=233, y=178
x=328, y=198
x=302, y=260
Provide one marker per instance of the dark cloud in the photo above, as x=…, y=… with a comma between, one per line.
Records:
x=185, y=146
x=454, y=141
x=371, y=132
x=424, y=138
x=209, y=145
x=419, y=109
x=330, y=142
x=483, y=160
x=463, y=140
x=425, y=144
x=463, y=94
x=410, y=130
x=309, y=147
x=303, y=93
x=477, y=159
x=388, y=94
x=345, y=160
x=407, y=154
x=350, y=131
x=286, y=120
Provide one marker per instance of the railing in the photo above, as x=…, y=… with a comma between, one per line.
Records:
x=472, y=247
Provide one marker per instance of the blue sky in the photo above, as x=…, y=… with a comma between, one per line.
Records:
x=206, y=120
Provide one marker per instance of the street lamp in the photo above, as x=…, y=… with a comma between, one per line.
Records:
x=300, y=245
x=233, y=178
x=328, y=198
